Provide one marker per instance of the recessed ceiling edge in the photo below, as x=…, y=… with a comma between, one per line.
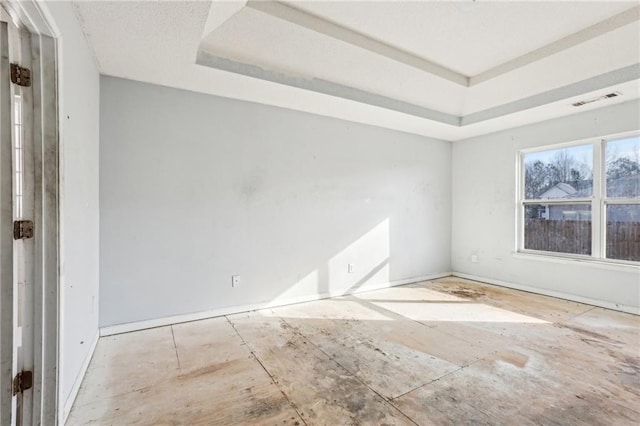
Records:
x=602, y=81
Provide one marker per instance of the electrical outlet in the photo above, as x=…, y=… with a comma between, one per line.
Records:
x=235, y=281
x=474, y=258
x=350, y=268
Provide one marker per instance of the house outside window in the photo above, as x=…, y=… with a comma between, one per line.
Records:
x=582, y=200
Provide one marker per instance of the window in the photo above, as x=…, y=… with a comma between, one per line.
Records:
x=582, y=200
x=18, y=156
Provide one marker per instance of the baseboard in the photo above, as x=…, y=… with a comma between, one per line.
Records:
x=177, y=319
x=68, y=404
x=574, y=298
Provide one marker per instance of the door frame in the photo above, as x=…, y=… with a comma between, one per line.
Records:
x=45, y=46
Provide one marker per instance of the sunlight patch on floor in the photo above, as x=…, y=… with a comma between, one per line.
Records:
x=455, y=311
x=333, y=309
x=412, y=294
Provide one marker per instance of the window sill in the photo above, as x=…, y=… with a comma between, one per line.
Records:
x=570, y=260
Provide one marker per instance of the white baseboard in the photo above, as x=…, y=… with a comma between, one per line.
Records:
x=600, y=303
x=177, y=319
x=68, y=404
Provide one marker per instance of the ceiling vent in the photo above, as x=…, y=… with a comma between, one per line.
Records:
x=596, y=99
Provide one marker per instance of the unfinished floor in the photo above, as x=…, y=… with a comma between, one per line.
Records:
x=447, y=351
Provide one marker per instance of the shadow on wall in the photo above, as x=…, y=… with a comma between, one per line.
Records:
x=336, y=236
x=362, y=264
x=285, y=200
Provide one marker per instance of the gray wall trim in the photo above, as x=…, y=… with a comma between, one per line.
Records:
x=338, y=32
x=596, y=30
x=602, y=81
x=326, y=87
x=320, y=25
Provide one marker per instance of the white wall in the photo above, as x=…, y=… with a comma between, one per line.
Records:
x=196, y=188
x=79, y=91
x=484, y=221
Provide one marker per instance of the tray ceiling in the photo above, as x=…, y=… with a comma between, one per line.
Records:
x=449, y=70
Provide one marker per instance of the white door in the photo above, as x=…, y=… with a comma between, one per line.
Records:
x=17, y=196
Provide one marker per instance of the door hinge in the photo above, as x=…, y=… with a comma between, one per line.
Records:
x=22, y=229
x=20, y=76
x=22, y=382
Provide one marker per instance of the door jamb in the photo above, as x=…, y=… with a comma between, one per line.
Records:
x=46, y=45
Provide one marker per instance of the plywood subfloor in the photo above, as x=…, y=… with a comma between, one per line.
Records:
x=448, y=351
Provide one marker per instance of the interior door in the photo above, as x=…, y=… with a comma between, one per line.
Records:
x=6, y=234
x=17, y=197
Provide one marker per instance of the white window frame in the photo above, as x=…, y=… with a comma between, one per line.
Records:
x=598, y=201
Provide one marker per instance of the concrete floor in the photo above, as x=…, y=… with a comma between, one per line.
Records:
x=441, y=352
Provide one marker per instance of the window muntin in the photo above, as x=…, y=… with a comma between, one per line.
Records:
x=565, y=210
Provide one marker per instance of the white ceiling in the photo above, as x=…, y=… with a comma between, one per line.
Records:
x=349, y=65
x=449, y=70
x=467, y=37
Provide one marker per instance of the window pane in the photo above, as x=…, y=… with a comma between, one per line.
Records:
x=623, y=167
x=623, y=231
x=559, y=173
x=561, y=228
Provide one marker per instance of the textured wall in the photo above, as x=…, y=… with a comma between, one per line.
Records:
x=79, y=93
x=484, y=219
x=196, y=188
